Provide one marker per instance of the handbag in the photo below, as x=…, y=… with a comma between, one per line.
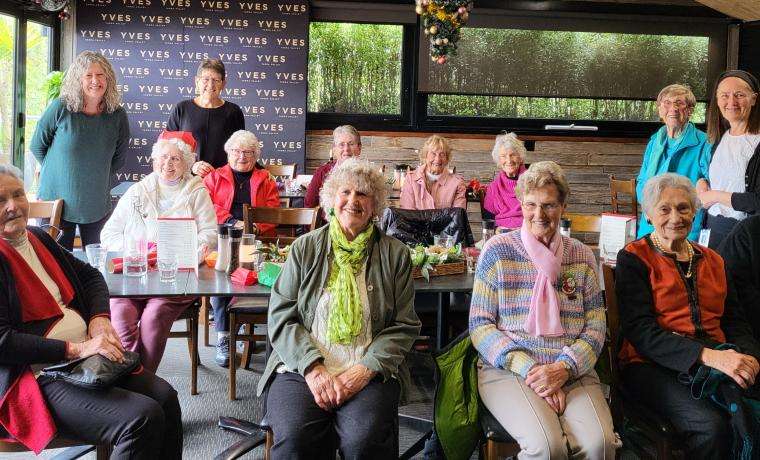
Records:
x=94, y=372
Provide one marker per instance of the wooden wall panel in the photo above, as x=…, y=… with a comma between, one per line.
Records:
x=587, y=163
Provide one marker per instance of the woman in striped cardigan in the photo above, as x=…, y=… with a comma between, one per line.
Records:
x=538, y=323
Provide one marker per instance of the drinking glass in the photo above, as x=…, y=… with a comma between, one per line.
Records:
x=96, y=255
x=471, y=261
x=443, y=240
x=167, y=268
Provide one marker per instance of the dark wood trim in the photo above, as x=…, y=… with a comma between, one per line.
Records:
x=614, y=140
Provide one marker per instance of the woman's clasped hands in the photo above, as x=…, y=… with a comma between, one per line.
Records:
x=547, y=381
x=331, y=391
x=103, y=340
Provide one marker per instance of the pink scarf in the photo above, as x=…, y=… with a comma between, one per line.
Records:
x=543, y=317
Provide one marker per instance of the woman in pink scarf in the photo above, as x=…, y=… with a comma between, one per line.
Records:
x=537, y=321
x=509, y=155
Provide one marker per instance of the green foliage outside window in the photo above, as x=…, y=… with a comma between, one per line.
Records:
x=355, y=68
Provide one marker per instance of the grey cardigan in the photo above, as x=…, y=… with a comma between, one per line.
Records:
x=295, y=295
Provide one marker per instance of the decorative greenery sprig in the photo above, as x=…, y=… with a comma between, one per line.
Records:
x=425, y=258
x=442, y=20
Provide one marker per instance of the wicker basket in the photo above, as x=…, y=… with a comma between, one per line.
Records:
x=452, y=268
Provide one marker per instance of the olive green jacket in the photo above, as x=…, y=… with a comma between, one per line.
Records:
x=296, y=292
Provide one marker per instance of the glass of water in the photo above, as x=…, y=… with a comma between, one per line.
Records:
x=96, y=255
x=443, y=240
x=167, y=268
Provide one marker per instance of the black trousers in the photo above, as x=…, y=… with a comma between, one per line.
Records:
x=365, y=427
x=719, y=227
x=704, y=426
x=140, y=416
x=90, y=233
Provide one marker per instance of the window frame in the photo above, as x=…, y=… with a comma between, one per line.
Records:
x=571, y=16
x=22, y=17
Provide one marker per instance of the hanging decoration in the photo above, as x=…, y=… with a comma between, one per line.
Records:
x=442, y=20
x=61, y=6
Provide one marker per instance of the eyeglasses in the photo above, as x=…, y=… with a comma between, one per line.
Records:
x=172, y=158
x=245, y=153
x=207, y=80
x=546, y=207
x=679, y=104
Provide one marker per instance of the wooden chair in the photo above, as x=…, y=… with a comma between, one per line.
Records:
x=190, y=315
x=626, y=412
x=254, y=311
x=51, y=210
x=584, y=223
x=285, y=171
x=623, y=186
x=74, y=448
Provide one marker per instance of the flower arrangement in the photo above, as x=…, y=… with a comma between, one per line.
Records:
x=474, y=188
x=442, y=20
x=426, y=258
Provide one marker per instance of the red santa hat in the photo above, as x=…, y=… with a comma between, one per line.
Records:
x=184, y=136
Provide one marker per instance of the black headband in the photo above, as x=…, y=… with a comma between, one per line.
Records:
x=750, y=79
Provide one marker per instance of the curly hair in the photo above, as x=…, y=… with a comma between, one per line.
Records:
x=360, y=175
x=71, y=87
x=539, y=175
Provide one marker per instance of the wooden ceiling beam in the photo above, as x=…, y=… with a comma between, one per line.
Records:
x=746, y=10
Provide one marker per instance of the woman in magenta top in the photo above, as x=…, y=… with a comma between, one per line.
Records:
x=431, y=185
x=509, y=155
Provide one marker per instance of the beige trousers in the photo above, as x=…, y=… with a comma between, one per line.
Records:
x=585, y=429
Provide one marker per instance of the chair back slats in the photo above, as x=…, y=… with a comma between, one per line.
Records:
x=613, y=319
x=627, y=187
x=585, y=223
x=284, y=218
x=48, y=210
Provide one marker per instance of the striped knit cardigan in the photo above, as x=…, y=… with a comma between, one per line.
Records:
x=501, y=299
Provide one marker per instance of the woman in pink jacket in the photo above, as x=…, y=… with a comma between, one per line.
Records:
x=500, y=200
x=431, y=185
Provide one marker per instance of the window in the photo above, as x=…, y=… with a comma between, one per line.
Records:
x=565, y=75
x=38, y=64
x=7, y=56
x=355, y=68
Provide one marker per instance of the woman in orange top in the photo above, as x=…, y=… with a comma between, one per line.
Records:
x=677, y=305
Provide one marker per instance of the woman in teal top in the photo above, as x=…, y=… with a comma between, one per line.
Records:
x=80, y=141
x=678, y=147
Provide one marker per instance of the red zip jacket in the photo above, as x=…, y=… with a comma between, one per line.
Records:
x=221, y=186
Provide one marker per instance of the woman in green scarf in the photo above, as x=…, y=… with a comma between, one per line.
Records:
x=341, y=320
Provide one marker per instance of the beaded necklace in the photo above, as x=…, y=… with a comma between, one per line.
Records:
x=689, y=251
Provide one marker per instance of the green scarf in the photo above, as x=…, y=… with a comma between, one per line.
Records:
x=345, y=321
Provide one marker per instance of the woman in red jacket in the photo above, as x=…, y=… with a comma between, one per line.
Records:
x=239, y=182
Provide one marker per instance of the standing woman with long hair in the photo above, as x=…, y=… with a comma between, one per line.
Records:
x=733, y=127
x=80, y=141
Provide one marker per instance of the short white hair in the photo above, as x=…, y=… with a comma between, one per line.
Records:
x=347, y=129
x=10, y=170
x=359, y=174
x=505, y=142
x=243, y=138
x=188, y=156
x=656, y=185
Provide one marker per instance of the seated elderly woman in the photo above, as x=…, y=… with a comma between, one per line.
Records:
x=500, y=200
x=538, y=323
x=144, y=324
x=677, y=147
x=431, y=185
x=676, y=306
x=53, y=308
x=341, y=320
x=239, y=182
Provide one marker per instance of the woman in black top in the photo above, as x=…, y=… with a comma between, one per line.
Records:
x=211, y=119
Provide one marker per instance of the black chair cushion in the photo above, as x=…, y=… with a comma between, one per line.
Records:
x=250, y=309
x=492, y=428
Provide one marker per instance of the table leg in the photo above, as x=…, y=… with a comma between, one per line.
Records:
x=444, y=302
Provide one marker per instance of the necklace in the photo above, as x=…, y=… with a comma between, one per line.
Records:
x=689, y=251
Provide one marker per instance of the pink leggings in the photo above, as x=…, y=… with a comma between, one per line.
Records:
x=143, y=324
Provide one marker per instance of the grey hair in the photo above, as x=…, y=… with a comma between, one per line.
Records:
x=362, y=176
x=505, y=142
x=188, y=156
x=214, y=65
x=677, y=89
x=71, y=87
x=243, y=138
x=656, y=185
x=10, y=170
x=347, y=129
x=539, y=175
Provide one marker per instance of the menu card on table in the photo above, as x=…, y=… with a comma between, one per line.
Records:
x=179, y=235
x=616, y=230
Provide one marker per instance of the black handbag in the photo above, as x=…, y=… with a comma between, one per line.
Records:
x=94, y=372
